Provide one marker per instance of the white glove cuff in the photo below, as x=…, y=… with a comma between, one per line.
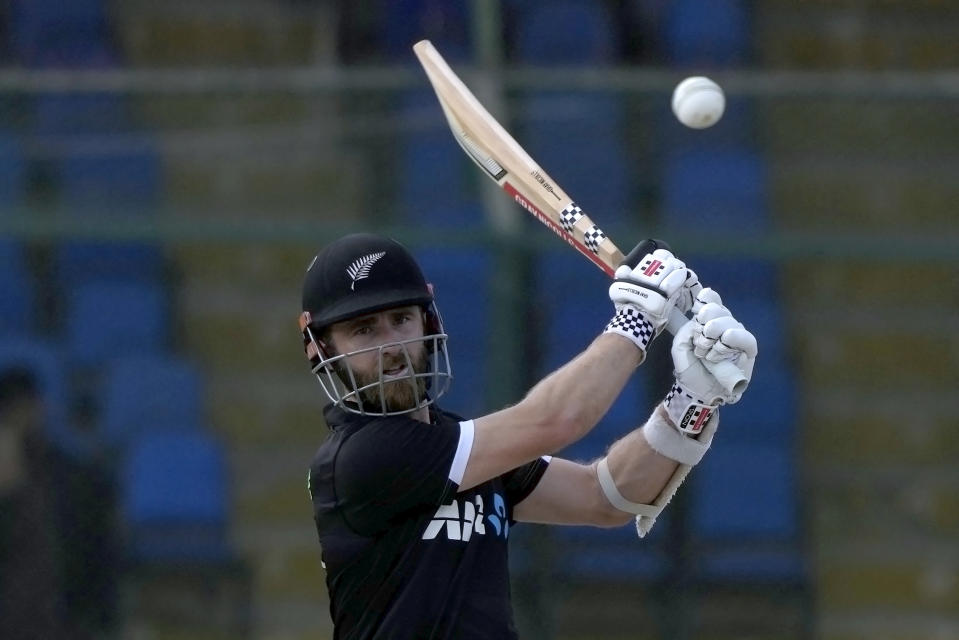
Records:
x=669, y=441
x=631, y=323
x=689, y=413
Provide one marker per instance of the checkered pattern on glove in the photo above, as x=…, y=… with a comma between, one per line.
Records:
x=630, y=322
x=689, y=413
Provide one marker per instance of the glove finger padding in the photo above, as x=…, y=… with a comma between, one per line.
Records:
x=687, y=297
x=704, y=296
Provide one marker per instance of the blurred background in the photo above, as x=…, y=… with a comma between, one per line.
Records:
x=167, y=170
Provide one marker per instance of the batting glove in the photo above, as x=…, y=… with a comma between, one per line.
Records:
x=712, y=335
x=645, y=295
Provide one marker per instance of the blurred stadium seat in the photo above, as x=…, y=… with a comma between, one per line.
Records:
x=17, y=290
x=738, y=278
x=13, y=172
x=80, y=262
x=724, y=189
x=145, y=393
x=578, y=140
x=576, y=137
x=175, y=498
x=588, y=33
x=446, y=24
x=745, y=515
x=130, y=178
x=462, y=278
x=707, y=33
x=429, y=158
x=56, y=32
x=44, y=359
x=770, y=412
x=58, y=114
x=175, y=506
x=123, y=185
x=106, y=320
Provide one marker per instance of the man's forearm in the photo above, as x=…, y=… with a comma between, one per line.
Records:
x=639, y=471
x=582, y=391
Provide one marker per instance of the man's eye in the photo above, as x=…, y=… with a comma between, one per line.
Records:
x=362, y=331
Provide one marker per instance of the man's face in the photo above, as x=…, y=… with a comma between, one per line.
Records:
x=374, y=330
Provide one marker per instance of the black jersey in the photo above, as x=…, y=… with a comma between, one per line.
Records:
x=407, y=556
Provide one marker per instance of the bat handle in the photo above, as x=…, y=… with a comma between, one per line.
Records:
x=728, y=374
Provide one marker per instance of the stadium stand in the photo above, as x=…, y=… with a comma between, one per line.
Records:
x=13, y=172
x=707, y=33
x=147, y=393
x=17, y=290
x=430, y=157
x=538, y=24
x=175, y=496
x=465, y=309
x=52, y=33
x=109, y=319
x=175, y=510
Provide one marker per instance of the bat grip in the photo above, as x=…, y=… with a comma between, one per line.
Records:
x=726, y=373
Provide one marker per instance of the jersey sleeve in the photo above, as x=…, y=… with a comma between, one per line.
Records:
x=396, y=465
x=521, y=481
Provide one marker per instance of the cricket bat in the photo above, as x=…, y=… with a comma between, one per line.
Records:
x=502, y=159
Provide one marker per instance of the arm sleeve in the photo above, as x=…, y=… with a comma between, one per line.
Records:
x=391, y=467
x=521, y=481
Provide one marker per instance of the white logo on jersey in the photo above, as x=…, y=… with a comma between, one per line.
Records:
x=459, y=525
x=462, y=524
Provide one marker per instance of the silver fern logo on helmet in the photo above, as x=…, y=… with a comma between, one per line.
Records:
x=360, y=269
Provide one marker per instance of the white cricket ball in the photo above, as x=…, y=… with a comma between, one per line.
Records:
x=698, y=102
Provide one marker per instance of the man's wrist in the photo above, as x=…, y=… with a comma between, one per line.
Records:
x=631, y=323
x=686, y=411
x=666, y=439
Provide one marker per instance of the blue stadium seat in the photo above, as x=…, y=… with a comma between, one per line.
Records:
x=745, y=514
x=716, y=187
x=13, y=173
x=430, y=158
x=461, y=278
x=17, y=291
x=591, y=554
x=579, y=141
x=124, y=184
x=707, y=33
x=738, y=128
x=144, y=393
x=45, y=360
x=764, y=318
x=446, y=24
x=106, y=320
x=38, y=27
x=175, y=498
x=80, y=113
x=79, y=262
x=131, y=179
x=737, y=278
x=769, y=412
x=565, y=32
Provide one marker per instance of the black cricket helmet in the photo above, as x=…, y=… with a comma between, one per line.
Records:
x=357, y=275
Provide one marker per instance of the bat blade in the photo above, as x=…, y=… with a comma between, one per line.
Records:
x=495, y=151
x=491, y=147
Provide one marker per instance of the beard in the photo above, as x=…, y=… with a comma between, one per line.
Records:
x=402, y=394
